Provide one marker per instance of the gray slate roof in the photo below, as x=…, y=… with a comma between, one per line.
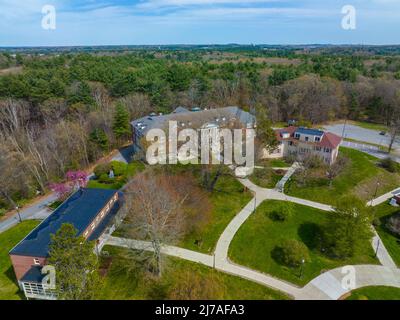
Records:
x=192, y=119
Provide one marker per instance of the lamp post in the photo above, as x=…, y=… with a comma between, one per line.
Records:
x=19, y=214
x=377, y=247
x=376, y=192
x=302, y=268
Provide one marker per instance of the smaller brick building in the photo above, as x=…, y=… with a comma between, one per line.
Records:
x=90, y=211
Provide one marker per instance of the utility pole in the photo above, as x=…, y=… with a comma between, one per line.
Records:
x=344, y=128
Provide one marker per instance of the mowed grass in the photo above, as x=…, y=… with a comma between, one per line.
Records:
x=391, y=241
x=375, y=293
x=265, y=178
x=227, y=200
x=256, y=241
x=359, y=177
x=370, y=125
x=118, y=182
x=8, y=284
x=124, y=284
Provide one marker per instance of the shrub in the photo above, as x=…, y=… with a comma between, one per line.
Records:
x=2, y=212
x=119, y=168
x=283, y=213
x=104, y=178
x=101, y=169
x=393, y=224
x=293, y=252
x=376, y=222
x=389, y=164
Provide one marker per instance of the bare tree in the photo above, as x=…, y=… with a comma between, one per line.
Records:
x=154, y=214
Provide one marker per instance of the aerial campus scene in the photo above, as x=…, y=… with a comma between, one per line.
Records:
x=173, y=150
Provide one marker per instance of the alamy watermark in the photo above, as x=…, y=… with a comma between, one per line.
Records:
x=49, y=19
x=349, y=21
x=205, y=146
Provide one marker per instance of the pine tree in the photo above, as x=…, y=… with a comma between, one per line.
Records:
x=121, y=126
x=99, y=138
x=76, y=265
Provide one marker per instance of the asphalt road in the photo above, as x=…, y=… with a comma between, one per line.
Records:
x=362, y=134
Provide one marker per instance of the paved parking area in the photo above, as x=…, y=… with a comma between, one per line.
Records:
x=362, y=134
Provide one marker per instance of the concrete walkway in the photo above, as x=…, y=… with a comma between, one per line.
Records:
x=280, y=186
x=383, y=198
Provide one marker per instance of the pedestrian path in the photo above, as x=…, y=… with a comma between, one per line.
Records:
x=280, y=186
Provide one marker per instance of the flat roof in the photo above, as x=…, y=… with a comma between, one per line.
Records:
x=80, y=209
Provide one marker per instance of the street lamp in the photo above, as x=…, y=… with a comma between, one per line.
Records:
x=302, y=268
x=377, y=247
x=376, y=192
x=19, y=215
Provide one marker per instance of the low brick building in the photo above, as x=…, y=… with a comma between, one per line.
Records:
x=90, y=211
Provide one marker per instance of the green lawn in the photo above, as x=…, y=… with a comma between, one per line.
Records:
x=370, y=125
x=8, y=286
x=359, y=177
x=256, y=241
x=391, y=241
x=375, y=293
x=227, y=200
x=265, y=178
x=122, y=284
x=119, y=181
x=273, y=163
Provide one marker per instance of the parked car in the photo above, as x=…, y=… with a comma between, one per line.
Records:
x=382, y=133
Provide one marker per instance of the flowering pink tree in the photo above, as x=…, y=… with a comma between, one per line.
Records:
x=73, y=180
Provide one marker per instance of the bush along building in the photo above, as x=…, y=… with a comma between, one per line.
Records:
x=300, y=142
x=90, y=211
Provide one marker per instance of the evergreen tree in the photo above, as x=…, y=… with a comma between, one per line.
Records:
x=99, y=138
x=76, y=265
x=121, y=126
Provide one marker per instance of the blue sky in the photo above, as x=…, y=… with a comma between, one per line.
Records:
x=113, y=22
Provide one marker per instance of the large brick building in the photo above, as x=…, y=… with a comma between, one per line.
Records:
x=90, y=211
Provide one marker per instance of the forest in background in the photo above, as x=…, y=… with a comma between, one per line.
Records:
x=64, y=110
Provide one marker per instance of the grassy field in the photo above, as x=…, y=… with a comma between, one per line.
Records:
x=122, y=284
x=227, y=200
x=375, y=293
x=391, y=241
x=8, y=286
x=369, y=125
x=359, y=177
x=256, y=241
x=265, y=178
x=118, y=182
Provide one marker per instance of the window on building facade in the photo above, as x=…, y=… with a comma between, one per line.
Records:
x=36, y=262
x=317, y=139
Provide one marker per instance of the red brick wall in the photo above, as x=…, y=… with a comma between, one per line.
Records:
x=22, y=264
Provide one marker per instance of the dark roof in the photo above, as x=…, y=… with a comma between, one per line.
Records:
x=79, y=210
x=34, y=275
x=314, y=132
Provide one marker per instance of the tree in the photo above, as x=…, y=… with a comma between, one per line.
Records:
x=293, y=253
x=121, y=126
x=336, y=168
x=76, y=265
x=158, y=219
x=266, y=137
x=99, y=138
x=348, y=227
